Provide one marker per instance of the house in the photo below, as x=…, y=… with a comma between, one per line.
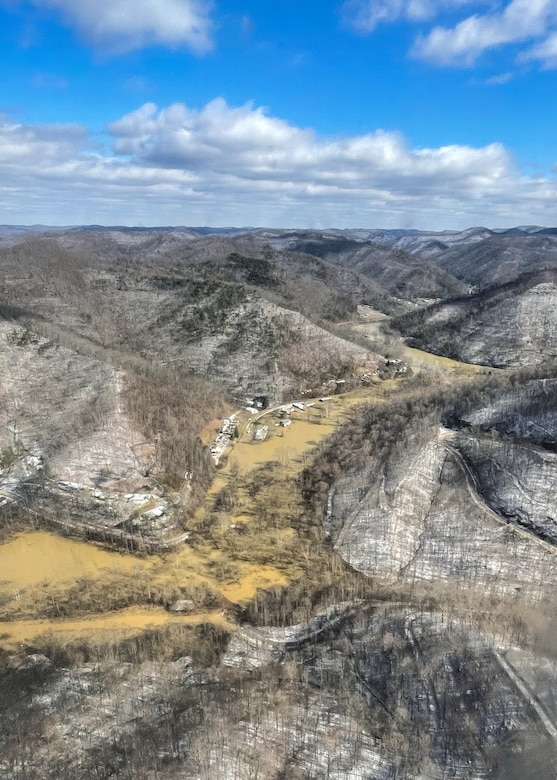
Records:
x=260, y=434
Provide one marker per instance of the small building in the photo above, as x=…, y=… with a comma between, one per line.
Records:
x=258, y=402
x=260, y=434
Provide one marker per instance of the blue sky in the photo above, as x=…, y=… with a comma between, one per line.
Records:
x=296, y=113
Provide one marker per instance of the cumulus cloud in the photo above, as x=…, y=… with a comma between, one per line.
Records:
x=125, y=25
x=239, y=165
x=521, y=20
x=217, y=137
x=252, y=146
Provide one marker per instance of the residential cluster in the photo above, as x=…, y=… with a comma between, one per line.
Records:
x=227, y=432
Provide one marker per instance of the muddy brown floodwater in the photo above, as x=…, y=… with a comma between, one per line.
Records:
x=38, y=556
x=108, y=627
x=37, y=559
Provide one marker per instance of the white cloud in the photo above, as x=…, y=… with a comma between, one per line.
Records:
x=252, y=147
x=218, y=137
x=35, y=144
x=521, y=20
x=529, y=24
x=124, y=25
x=365, y=15
x=500, y=78
x=223, y=165
x=545, y=52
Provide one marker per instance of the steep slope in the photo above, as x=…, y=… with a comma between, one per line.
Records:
x=424, y=522
x=500, y=258
x=515, y=479
x=74, y=446
x=253, y=346
x=528, y=411
x=235, y=321
x=410, y=501
x=399, y=273
x=509, y=448
x=514, y=324
x=382, y=694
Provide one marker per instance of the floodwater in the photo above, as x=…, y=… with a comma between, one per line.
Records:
x=252, y=579
x=37, y=556
x=112, y=626
x=284, y=445
x=417, y=358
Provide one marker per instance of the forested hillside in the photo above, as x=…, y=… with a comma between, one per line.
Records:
x=277, y=504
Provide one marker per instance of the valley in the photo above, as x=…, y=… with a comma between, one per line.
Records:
x=36, y=558
x=361, y=590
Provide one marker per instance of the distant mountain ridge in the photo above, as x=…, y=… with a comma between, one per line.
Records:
x=362, y=234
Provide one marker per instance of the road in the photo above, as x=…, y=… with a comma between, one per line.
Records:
x=480, y=503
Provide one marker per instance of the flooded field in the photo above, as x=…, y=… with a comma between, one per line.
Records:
x=110, y=627
x=37, y=556
x=232, y=555
x=252, y=579
x=283, y=444
x=416, y=358
x=230, y=559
